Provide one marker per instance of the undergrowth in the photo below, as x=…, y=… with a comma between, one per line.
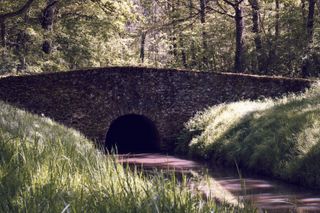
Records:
x=276, y=137
x=45, y=167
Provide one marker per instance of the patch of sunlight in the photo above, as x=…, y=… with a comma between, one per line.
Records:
x=308, y=108
x=75, y=180
x=2, y=173
x=217, y=120
x=41, y=176
x=213, y=189
x=308, y=137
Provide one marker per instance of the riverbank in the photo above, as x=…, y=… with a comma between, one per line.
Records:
x=279, y=138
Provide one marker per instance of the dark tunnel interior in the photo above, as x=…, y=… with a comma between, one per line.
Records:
x=132, y=134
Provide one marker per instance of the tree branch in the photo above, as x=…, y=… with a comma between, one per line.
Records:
x=233, y=4
x=222, y=10
x=23, y=9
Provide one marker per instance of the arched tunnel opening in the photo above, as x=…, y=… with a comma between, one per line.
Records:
x=132, y=134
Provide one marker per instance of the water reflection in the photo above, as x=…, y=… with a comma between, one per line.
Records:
x=149, y=160
x=266, y=194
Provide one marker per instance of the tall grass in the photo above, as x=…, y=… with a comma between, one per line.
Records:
x=278, y=137
x=45, y=167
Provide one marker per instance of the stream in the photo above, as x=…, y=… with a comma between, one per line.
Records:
x=264, y=193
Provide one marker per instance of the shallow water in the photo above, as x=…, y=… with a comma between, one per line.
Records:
x=266, y=194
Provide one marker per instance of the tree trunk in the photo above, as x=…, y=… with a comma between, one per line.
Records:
x=49, y=15
x=22, y=50
x=203, y=5
x=47, y=23
x=272, y=54
x=174, y=45
x=142, y=46
x=256, y=30
x=239, y=20
x=183, y=53
x=173, y=36
x=310, y=21
x=309, y=28
x=277, y=25
x=303, y=12
x=3, y=34
x=193, y=46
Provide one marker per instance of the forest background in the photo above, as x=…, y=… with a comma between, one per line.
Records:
x=269, y=37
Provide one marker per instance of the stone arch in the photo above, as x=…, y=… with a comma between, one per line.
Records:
x=132, y=133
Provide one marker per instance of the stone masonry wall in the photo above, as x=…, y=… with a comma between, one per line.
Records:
x=89, y=100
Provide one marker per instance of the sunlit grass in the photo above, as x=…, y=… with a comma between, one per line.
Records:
x=45, y=167
x=274, y=137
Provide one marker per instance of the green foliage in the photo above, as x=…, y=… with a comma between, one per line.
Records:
x=85, y=34
x=280, y=138
x=180, y=21
x=96, y=33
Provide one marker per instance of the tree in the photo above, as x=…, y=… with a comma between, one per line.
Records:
x=47, y=21
x=239, y=24
x=257, y=34
x=203, y=5
x=309, y=30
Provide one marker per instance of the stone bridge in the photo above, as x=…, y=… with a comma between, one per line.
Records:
x=161, y=100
